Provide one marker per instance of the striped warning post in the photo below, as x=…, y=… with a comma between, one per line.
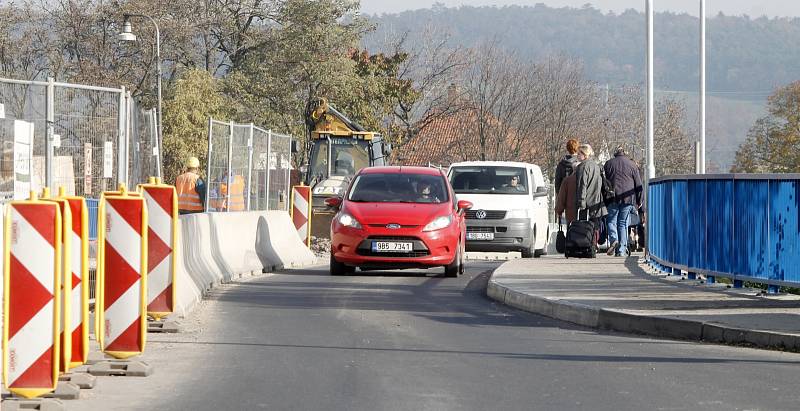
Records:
x=66, y=279
x=122, y=274
x=162, y=240
x=301, y=212
x=32, y=282
x=78, y=278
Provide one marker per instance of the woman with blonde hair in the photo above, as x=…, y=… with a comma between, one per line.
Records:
x=589, y=192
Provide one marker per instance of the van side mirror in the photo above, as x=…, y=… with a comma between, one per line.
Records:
x=541, y=191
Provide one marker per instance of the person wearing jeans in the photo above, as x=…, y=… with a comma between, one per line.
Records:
x=623, y=174
x=617, y=225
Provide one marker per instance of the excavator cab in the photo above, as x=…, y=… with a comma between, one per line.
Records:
x=339, y=148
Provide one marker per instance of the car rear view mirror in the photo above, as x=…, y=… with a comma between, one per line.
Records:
x=464, y=205
x=334, y=202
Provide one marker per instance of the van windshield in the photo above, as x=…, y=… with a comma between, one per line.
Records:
x=489, y=180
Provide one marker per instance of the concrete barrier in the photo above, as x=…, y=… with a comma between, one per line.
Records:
x=216, y=248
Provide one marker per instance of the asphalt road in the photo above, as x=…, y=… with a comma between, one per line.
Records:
x=411, y=341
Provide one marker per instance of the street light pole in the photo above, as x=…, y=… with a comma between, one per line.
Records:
x=702, y=157
x=651, y=168
x=127, y=35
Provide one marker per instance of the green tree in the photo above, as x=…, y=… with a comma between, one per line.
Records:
x=773, y=142
x=195, y=97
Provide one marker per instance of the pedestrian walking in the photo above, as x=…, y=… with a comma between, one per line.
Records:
x=191, y=189
x=567, y=164
x=566, y=202
x=623, y=175
x=589, y=197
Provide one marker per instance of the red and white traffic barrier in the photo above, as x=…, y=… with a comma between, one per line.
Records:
x=32, y=277
x=162, y=240
x=66, y=279
x=122, y=274
x=78, y=279
x=301, y=212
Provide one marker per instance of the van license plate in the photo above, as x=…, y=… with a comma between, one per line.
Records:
x=392, y=247
x=480, y=236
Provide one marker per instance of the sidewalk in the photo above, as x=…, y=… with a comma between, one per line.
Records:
x=621, y=295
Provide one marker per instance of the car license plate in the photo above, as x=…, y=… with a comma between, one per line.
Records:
x=392, y=247
x=480, y=236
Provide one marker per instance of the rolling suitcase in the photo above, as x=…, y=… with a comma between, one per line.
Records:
x=580, y=234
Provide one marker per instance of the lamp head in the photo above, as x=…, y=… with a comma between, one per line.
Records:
x=126, y=34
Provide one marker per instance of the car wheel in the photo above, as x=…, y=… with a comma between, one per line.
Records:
x=461, y=266
x=338, y=268
x=454, y=268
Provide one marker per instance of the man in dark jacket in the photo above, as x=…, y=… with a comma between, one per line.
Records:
x=567, y=164
x=623, y=174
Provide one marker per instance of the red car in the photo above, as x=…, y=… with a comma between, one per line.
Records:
x=398, y=217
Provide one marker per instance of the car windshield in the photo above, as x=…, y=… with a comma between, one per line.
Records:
x=399, y=188
x=489, y=180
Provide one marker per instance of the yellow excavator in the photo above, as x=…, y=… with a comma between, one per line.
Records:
x=337, y=149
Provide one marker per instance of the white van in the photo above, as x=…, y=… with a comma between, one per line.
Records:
x=510, y=210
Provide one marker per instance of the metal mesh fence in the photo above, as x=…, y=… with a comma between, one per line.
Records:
x=96, y=137
x=259, y=163
x=143, y=146
x=27, y=102
x=86, y=130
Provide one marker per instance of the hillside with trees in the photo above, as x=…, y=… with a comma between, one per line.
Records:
x=747, y=58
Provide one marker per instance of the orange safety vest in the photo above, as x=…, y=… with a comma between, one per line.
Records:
x=237, y=194
x=188, y=199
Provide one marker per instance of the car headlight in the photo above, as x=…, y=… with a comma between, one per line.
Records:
x=439, y=223
x=348, y=221
x=519, y=213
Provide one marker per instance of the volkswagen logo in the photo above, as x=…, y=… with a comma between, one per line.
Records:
x=393, y=226
x=480, y=214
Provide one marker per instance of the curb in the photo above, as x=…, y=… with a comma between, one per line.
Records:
x=654, y=326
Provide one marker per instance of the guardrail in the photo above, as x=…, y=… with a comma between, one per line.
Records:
x=745, y=227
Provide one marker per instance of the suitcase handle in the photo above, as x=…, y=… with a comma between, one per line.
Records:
x=587, y=213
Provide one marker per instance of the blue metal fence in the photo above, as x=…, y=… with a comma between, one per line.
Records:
x=91, y=208
x=745, y=227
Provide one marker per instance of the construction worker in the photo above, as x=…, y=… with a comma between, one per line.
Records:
x=236, y=202
x=191, y=189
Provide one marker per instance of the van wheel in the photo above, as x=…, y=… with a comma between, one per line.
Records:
x=530, y=251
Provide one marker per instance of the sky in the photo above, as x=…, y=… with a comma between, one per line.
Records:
x=752, y=8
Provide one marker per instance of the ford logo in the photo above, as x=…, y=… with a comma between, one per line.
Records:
x=393, y=226
x=480, y=214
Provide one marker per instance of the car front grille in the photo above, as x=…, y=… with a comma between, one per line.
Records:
x=490, y=214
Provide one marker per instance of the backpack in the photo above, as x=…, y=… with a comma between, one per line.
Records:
x=608, y=190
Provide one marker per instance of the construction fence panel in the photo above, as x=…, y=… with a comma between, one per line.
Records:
x=86, y=138
x=21, y=101
x=255, y=162
x=279, y=169
x=143, y=145
x=219, y=136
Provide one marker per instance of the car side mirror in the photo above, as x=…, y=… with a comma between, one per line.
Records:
x=333, y=202
x=464, y=205
x=541, y=191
